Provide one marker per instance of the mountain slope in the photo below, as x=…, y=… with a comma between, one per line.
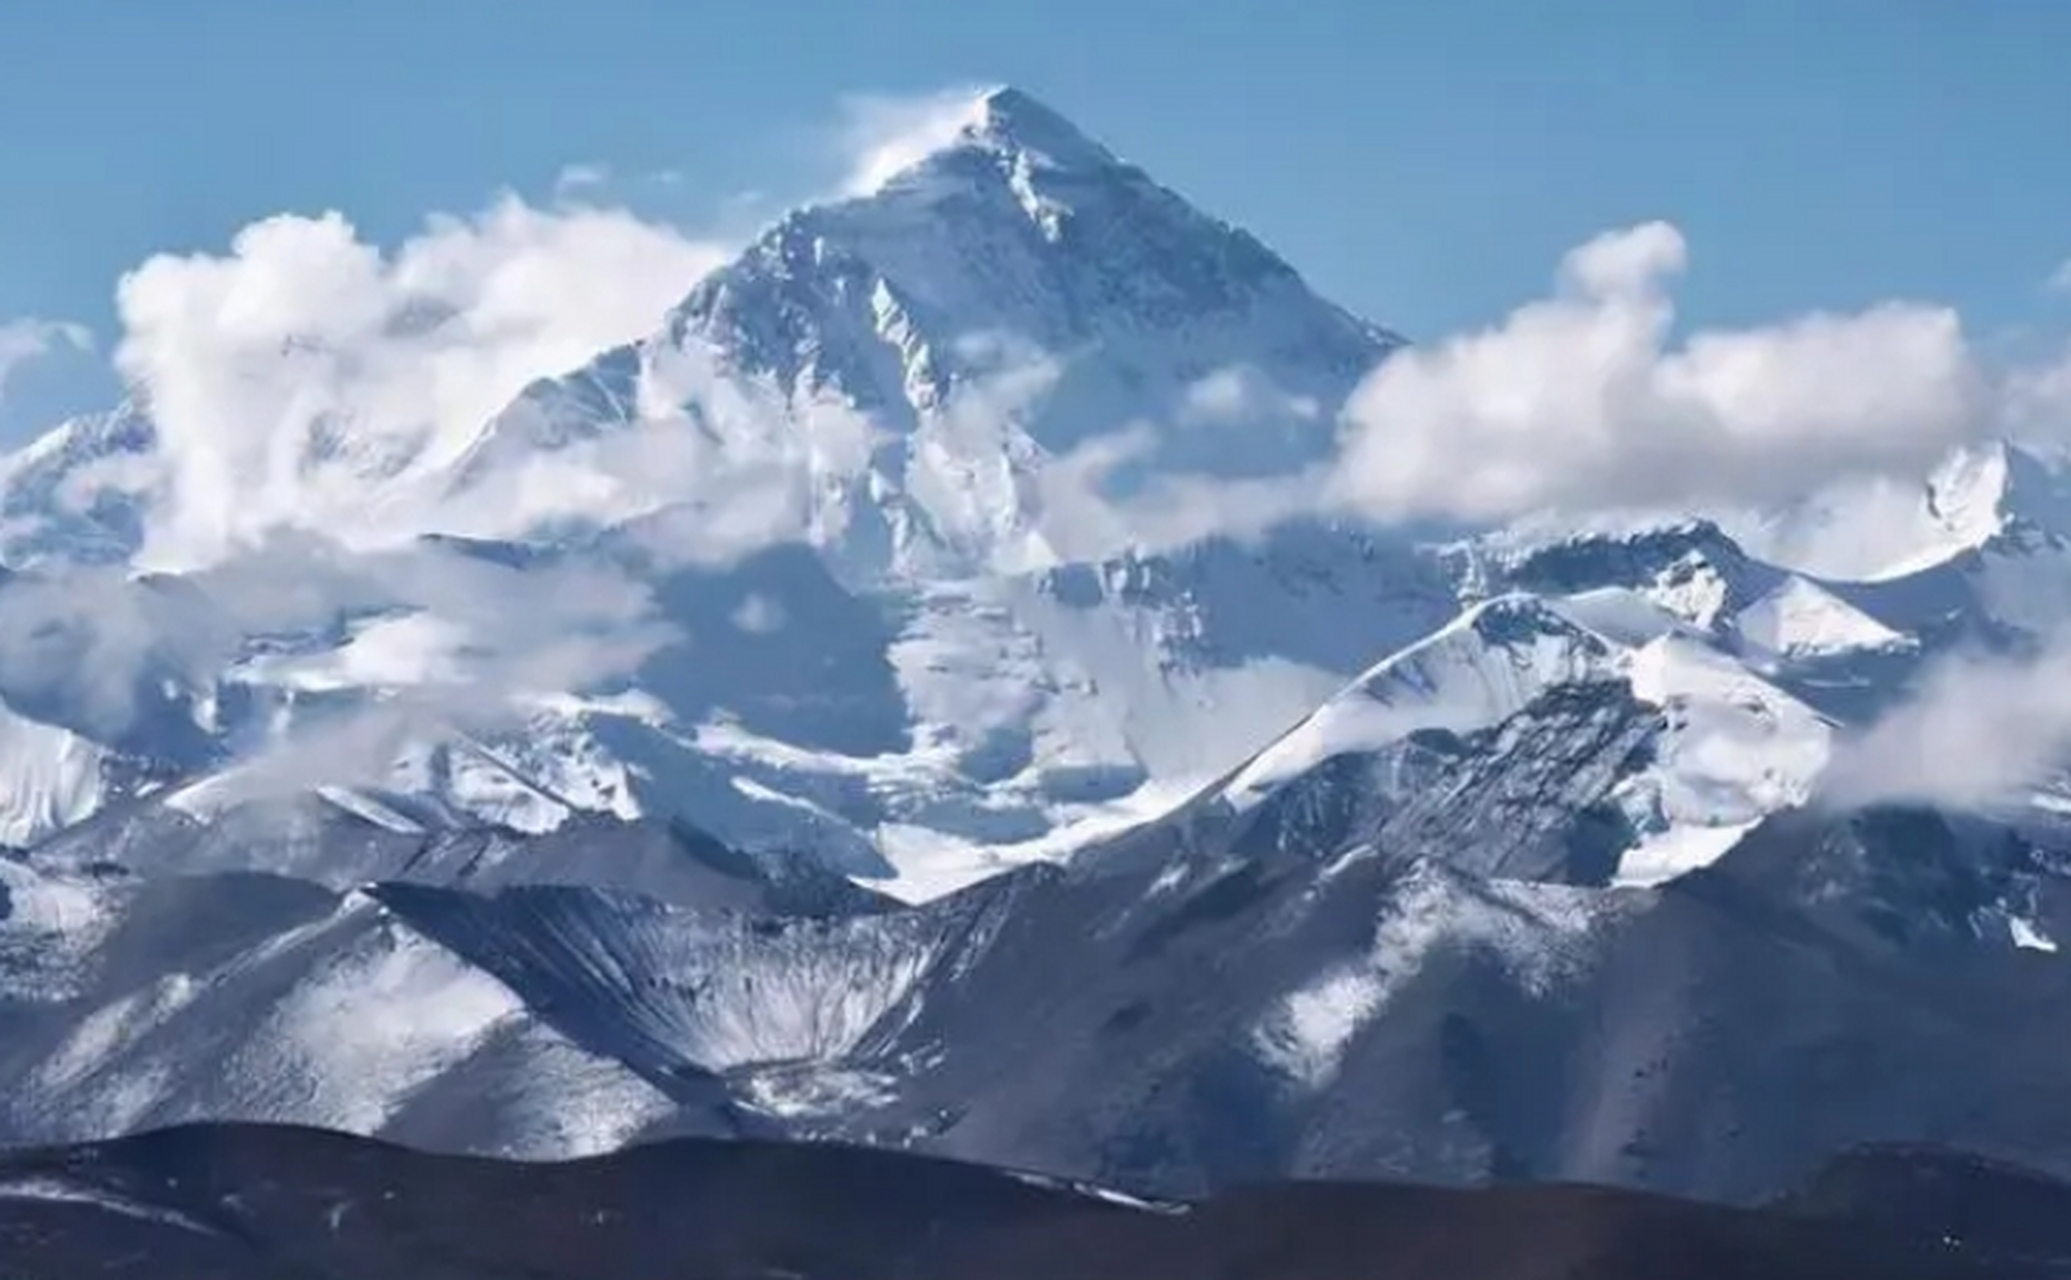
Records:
x=259, y=998
x=1395, y=962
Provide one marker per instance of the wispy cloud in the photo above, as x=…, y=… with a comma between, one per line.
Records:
x=436, y=643
x=28, y=339
x=1978, y=730
x=575, y=179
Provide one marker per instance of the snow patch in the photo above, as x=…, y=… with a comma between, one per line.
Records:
x=102, y=1035
x=2028, y=936
x=49, y=778
x=814, y=1090
x=1735, y=749
x=1662, y=855
x=59, y=1191
x=1093, y=1191
x=1534, y=930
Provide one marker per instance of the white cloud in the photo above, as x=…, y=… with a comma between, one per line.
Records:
x=1978, y=730
x=429, y=628
x=713, y=468
x=759, y=615
x=1240, y=395
x=307, y=377
x=1083, y=520
x=437, y=642
x=1580, y=401
x=1625, y=264
x=27, y=339
x=882, y=135
x=576, y=178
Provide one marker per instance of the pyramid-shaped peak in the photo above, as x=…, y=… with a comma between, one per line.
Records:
x=1982, y=491
x=1005, y=125
x=1010, y=119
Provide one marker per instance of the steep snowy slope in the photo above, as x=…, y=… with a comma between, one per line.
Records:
x=50, y=777
x=1730, y=748
x=129, y=1004
x=74, y=494
x=678, y=993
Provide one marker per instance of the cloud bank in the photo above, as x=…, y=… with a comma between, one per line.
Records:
x=438, y=626
x=1582, y=401
x=287, y=373
x=1978, y=731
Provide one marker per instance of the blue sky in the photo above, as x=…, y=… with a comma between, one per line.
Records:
x=1425, y=164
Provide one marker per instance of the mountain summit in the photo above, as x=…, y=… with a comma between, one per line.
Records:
x=1012, y=124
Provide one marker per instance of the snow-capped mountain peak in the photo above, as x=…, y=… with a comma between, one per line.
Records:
x=1999, y=489
x=1019, y=228
x=924, y=358
x=1011, y=126
x=562, y=820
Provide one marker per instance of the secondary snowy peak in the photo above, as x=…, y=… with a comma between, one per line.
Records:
x=1471, y=674
x=2001, y=490
x=1688, y=569
x=68, y=494
x=1882, y=529
x=1729, y=747
x=1799, y=619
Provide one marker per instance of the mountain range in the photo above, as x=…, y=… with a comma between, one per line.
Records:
x=865, y=709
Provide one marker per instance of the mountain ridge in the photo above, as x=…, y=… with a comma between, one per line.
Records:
x=207, y=1202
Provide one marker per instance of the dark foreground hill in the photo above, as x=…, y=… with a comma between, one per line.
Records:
x=218, y=1202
